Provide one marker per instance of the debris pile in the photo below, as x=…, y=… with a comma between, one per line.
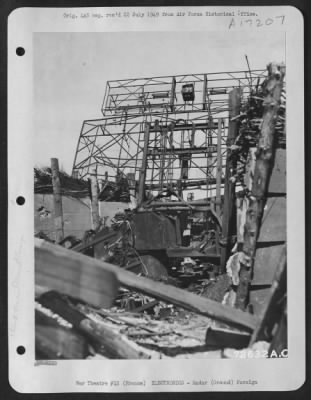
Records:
x=156, y=331
x=70, y=186
x=115, y=191
x=79, y=188
x=250, y=124
x=169, y=279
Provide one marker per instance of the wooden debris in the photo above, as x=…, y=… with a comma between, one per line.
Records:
x=115, y=344
x=58, y=205
x=59, y=257
x=54, y=341
x=99, y=239
x=142, y=173
x=264, y=164
x=76, y=277
x=221, y=338
x=95, y=209
x=274, y=309
x=229, y=208
x=108, y=340
x=127, y=321
x=146, y=306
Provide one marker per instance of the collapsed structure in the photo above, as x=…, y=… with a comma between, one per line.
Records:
x=203, y=156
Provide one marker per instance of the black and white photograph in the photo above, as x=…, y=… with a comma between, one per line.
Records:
x=181, y=179
x=159, y=179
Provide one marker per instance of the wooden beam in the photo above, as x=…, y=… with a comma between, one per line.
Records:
x=218, y=181
x=94, y=205
x=163, y=144
x=204, y=91
x=229, y=207
x=57, y=197
x=173, y=93
x=219, y=167
x=263, y=168
x=108, y=340
x=115, y=344
x=53, y=341
x=271, y=311
x=73, y=276
x=59, y=256
x=219, y=337
x=84, y=246
x=142, y=174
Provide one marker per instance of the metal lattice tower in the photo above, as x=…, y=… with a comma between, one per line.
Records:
x=180, y=121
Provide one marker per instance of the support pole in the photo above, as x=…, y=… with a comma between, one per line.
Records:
x=229, y=208
x=219, y=168
x=95, y=209
x=58, y=206
x=204, y=92
x=173, y=92
x=208, y=141
x=263, y=168
x=218, y=180
x=163, y=156
x=142, y=173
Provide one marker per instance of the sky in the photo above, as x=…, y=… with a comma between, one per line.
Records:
x=71, y=71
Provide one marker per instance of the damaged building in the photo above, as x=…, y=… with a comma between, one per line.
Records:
x=181, y=246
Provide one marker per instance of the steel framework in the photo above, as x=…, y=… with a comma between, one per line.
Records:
x=171, y=129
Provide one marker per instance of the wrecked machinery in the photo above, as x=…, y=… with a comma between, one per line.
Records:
x=231, y=149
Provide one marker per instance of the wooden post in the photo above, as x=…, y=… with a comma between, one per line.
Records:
x=173, y=92
x=229, y=208
x=163, y=156
x=209, y=160
x=94, y=191
x=219, y=168
x=204, y=91
x=263, y=168
x=58, y=207
x=218, y=180
x=142, y=173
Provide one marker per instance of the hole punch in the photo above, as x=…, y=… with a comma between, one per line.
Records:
x=20, y=200
x=20, y=350
x=20, y=51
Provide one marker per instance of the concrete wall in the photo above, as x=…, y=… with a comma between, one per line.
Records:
x=77, y=214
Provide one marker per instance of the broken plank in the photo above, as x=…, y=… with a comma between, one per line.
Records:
x=263, y=168
x=221, y=338
x=114, y=344
x=77, y=278
x=54, y=341
x=273, y=224
x=98, y=239
x=146, y=306
x=58, y=205
x=127, y=321
x=229, y=208
x=273, y=308
x=57, y=256
x=277, y=183
x=265, y=266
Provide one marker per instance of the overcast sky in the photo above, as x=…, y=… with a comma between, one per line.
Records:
x=71, y=70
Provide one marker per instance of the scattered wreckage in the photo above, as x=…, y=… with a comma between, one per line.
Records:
x=145, y=288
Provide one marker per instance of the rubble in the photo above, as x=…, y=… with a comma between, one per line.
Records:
x=174, y=278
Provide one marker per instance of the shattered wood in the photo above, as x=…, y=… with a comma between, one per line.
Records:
x=172, y=278
x=116, y=333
